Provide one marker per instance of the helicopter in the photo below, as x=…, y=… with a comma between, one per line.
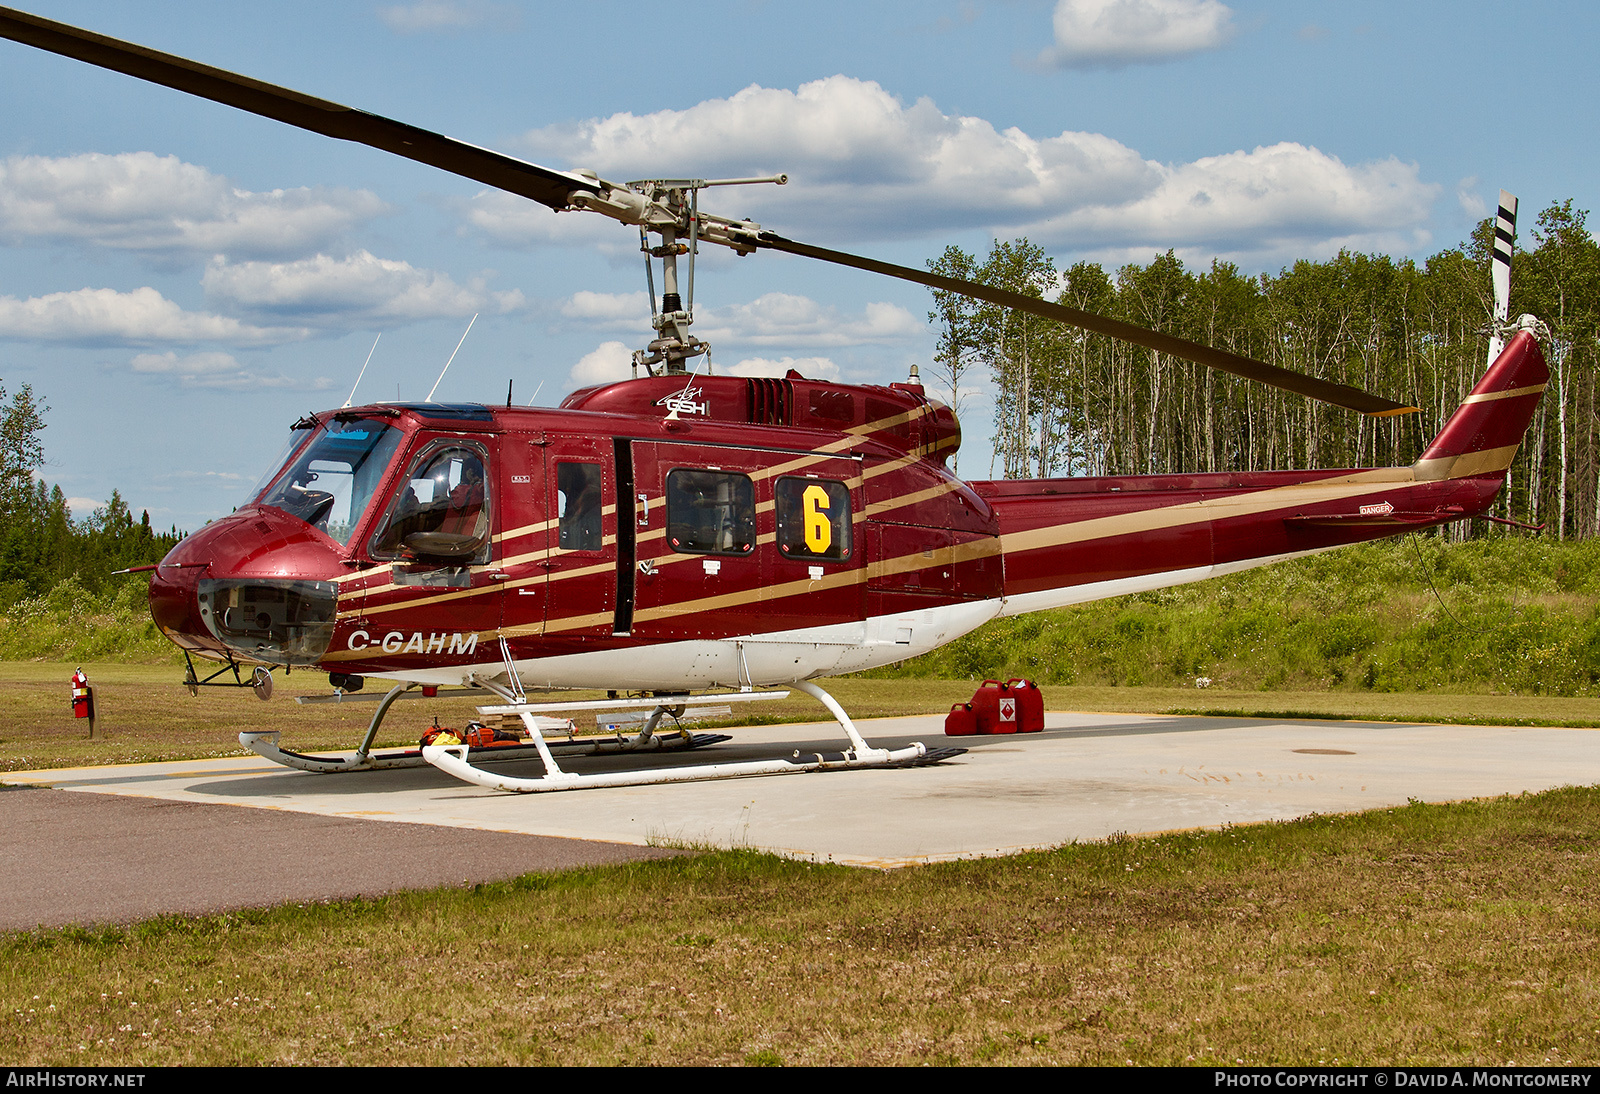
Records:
x=684, y=532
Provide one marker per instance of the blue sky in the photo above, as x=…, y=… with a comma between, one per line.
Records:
x=179, y=282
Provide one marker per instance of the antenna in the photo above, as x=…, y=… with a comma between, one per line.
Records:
x=536, y=392
x=453, y=353
x=363, y=371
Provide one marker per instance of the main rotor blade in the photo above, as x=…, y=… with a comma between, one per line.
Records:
x=1299, y=383
x=555, y=189
x=529, y=180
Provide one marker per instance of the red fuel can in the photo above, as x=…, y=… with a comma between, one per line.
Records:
x=1016, y=706
x=961, y=721
x=995, y=707
x=1030, y=705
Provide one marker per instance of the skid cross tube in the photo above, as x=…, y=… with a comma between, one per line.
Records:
x=265, y=743
x=453, y=759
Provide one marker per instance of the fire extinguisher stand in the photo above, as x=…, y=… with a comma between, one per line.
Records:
x=83, y=699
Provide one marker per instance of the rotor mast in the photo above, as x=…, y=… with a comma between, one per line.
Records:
x=670, y=208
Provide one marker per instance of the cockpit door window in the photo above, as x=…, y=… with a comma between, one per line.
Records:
x=441, y=509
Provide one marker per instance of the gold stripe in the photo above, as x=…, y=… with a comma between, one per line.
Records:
x=462, y=594
x=943, y=556
x=902, y=500
x=1466, y=465
x=1173, y=516
x=983, y=547
x=355, y=574
x=891, y=421
x=570, y=623
x=1509, y=393
x=525, y=530
x=1197, y=512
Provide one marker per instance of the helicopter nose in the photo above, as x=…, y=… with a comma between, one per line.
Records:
x=253, y=584
x=172, y=599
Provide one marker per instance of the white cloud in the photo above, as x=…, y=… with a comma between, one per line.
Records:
x=789, y=320
x=607, y=362
x=864, y=165
x=1470, y=200
x=446, y=15
x=608, y=309
x=859, y=161
x=513, y=221
x=1112, y=33
x=773, y=319
x=360, y=290
x=190, y=475
x=218, y=370
x=140, y=317
x=812, y=368
x=1270, y=204
x=138, y=201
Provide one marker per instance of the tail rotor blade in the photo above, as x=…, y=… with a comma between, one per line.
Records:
x=1505, y=237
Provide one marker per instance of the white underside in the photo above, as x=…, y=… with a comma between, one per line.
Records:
x=1023, y=603
x=783, y=657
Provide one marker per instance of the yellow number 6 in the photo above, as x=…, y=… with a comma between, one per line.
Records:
x=819, y=532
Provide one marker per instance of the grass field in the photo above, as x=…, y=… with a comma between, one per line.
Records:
x=1456, y=934
x=144, y=713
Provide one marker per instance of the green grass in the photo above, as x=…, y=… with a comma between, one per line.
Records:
x=1459, y=934
x=1507, y=616
x=71, y=623
x=144, y=714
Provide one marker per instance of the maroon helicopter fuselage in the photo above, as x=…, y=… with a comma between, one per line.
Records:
x=670, y=532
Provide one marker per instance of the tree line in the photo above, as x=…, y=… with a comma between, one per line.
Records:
x=1072, y=403
x=41, y=544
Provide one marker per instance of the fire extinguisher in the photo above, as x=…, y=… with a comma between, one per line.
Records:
x=83, y=699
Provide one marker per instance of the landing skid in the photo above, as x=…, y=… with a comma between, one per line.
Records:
x=453, y=758
x=265, y=742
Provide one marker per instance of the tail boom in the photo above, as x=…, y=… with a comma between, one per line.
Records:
x=1067, y=541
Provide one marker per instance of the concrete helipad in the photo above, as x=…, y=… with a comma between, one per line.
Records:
x=1086, y=777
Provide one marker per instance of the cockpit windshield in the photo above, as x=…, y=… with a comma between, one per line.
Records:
x=329, y=481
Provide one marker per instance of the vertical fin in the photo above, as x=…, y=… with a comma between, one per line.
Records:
x=1482, y=435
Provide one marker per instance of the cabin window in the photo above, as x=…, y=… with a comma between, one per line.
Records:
x=578, y=506
x=441, y=513
x=711, y=512
x=813, y=519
